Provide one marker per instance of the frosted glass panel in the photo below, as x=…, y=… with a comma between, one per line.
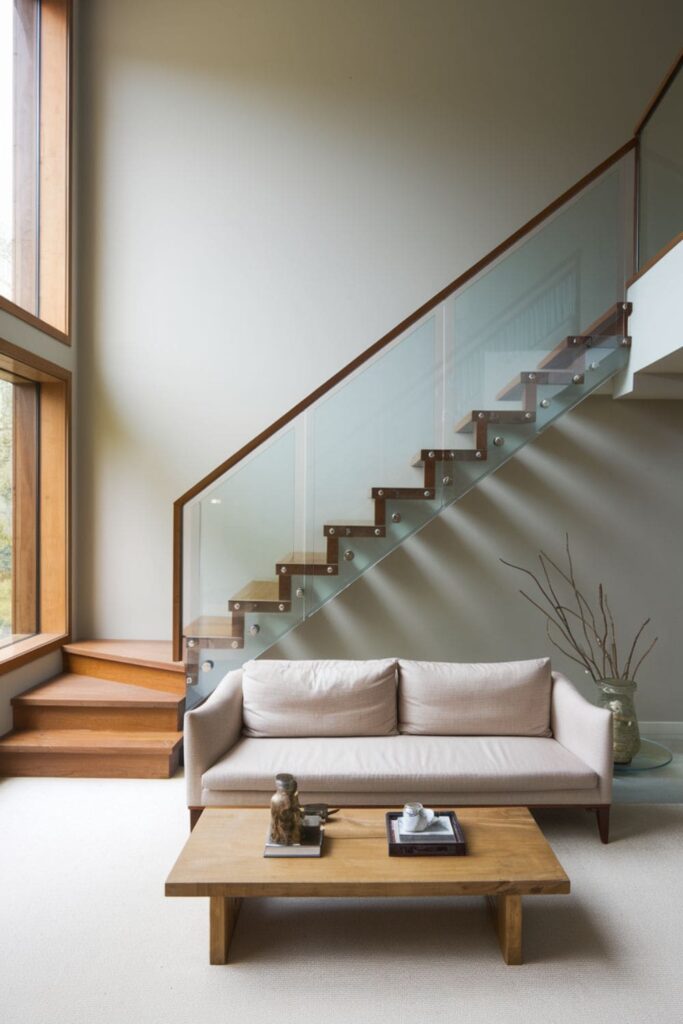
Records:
x=661, y=174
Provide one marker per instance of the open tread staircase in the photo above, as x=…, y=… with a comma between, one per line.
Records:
x=562, y=368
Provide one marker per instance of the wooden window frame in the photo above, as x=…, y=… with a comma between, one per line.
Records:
x=52, y=315
x=46, y=496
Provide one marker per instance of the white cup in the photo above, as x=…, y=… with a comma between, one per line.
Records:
x=416, y=818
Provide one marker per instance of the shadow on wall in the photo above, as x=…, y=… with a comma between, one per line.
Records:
x=611, y=475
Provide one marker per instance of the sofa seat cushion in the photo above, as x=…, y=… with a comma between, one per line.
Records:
x=319, y=698
x=401, y=763
x=504, y=698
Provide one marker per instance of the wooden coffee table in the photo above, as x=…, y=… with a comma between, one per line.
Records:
x=507, y=858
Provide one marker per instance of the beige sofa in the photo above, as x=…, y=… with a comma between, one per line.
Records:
x=386, y=732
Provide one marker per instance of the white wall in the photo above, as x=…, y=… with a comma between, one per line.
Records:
x=268, y=187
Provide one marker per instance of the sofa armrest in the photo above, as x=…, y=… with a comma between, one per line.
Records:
x=210, y=731
x=584, y=729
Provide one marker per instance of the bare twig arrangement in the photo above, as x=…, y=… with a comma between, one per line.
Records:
x=586, y=636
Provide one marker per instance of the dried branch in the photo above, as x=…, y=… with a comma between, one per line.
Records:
x=627, y=666
x=567, y=617
x=606, y=658
x=635, y=671
x=614, y=640
x=558, y=625
x=549, y=623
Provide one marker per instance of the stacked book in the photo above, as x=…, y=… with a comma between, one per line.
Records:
x=444, y=837
x=311, y=844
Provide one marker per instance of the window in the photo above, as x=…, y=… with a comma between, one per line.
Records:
x=34, y=161
x=34, y=483
x=18, y=508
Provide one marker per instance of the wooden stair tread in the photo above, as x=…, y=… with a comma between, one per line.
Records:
x=403, y=493
x=351, y=528
x=258, y=590
x=212, y=626
x=147, y=653
x=565, y=352
x=445, y=455
x=85, y=741
x=304, y=557
x=71, y=689
x=360, y=524
x=541, y=378
x=519, y=416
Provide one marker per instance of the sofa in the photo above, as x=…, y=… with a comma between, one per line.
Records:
x=388, y=731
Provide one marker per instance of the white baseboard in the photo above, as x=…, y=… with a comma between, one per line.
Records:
x=656, y=729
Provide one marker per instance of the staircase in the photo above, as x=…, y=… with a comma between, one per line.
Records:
x=570, y=369
x=405, y=430
x=115, y=712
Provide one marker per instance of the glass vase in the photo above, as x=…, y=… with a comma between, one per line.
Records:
x=618, y=696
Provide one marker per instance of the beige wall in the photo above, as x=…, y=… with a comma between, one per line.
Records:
x=267, y=187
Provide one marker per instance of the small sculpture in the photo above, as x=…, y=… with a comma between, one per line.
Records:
x=285, y=811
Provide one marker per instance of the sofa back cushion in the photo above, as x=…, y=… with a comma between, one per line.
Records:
x=506, y=698
x=319, y=698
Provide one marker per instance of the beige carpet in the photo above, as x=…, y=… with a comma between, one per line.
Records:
x=86, y=934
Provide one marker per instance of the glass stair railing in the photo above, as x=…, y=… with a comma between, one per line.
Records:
x=272, y=536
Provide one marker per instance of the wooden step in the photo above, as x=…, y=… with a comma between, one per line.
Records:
x=145, y=663
x=303, y=563
x=216, y=631
x=426, y=455
x=486, y=416
x=342, y=530
x=90, y=753
x=571, y=350
x=259, y=596
x=517, y=387
x=403, y=493
x=83, y=702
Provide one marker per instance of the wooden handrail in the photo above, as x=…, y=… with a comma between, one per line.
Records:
x=676, y=240
x=664, y=85
x=313, y=397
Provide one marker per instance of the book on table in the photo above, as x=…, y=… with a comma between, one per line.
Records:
x=311, y=844
x=443, y=837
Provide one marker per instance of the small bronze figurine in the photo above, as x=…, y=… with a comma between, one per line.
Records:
x=285, y=811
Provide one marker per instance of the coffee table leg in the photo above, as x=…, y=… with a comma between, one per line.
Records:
x=223, y=913
x=507, y=918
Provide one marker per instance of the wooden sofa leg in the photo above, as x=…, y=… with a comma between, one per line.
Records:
x=602, y=814
x=195, y=815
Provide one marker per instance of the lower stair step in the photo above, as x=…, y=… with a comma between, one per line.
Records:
x=403, y=493
x=140, y=662
x=259, y=596
x=71, y=701
x=305, y=563
x=90, y=753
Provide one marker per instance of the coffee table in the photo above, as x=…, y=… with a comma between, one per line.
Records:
x=507, y=858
